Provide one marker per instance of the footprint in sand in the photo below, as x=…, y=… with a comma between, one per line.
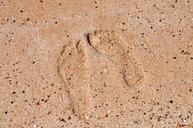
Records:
x=118, y=49
x=73, y=69
x=80, y=63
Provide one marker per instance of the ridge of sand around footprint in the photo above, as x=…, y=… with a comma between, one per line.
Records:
x=85, y=66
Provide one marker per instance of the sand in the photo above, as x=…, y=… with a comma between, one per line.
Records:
x=96, y=64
